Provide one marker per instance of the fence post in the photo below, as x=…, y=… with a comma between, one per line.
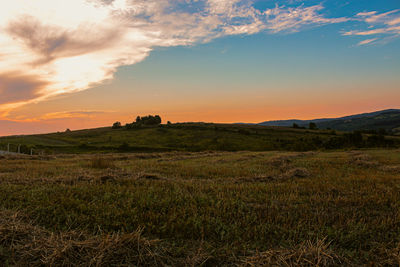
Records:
x=8, y=147
x=31, y=151
x=19, y=149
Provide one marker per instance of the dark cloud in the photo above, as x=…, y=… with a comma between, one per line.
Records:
x=16, y=88
x=51, y=42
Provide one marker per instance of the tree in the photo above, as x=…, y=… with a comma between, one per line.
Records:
x=312, y=126
x=295, y=126
x=116, y=125
x=149, y=120
x=157, y=119
x=68, y=130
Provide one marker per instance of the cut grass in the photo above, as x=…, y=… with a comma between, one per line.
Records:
x=215, y=208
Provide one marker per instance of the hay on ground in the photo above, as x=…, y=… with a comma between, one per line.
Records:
x=307, y=253
x=26, y=245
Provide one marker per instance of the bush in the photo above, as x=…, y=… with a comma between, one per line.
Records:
x=116, y=125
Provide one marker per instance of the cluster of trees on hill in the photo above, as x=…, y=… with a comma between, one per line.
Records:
x=146, y=120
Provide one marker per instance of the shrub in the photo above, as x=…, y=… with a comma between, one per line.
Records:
x=117, y=125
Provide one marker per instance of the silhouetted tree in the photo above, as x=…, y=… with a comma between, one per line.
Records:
x=116, y=125
x=295, y=125
x=149, y=120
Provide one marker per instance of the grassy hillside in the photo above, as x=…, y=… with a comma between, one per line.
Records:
x=190, y=137
x=388, y=120
x=201, y=209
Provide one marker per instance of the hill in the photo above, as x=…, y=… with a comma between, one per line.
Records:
x=192, y=137
x=388, y=120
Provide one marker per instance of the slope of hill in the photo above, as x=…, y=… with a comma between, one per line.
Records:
x=191, y=137
x=385, y=119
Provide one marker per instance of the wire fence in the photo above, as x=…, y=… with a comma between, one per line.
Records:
x=18, y=149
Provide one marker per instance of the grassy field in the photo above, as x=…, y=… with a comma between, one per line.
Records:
x=201, y=209
x=191, y=137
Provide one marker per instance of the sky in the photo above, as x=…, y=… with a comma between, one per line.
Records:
x=87, y=63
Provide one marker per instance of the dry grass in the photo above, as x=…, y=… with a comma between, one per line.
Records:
x=34, y=246
x=306, y=254
x=391, y=168
x=297, y=173
x=201, y=209
x=363, y=160
x=23, y=244
x=102, y=163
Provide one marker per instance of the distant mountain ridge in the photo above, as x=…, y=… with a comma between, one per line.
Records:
x=388, y=119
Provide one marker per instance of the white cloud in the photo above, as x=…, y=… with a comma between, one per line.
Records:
x=57, y=47
x=386, y=25
x=368, y=41
x=280, y=19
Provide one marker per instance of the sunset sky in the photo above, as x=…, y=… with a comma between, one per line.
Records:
x=88, y=63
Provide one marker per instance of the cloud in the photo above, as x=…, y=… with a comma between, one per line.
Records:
x=16, y=87
x=374, y=17
x=57, y=47
x=68, y=114
x=385, y=25
x=368, y=41
x=75, y=114
x=280, y=19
